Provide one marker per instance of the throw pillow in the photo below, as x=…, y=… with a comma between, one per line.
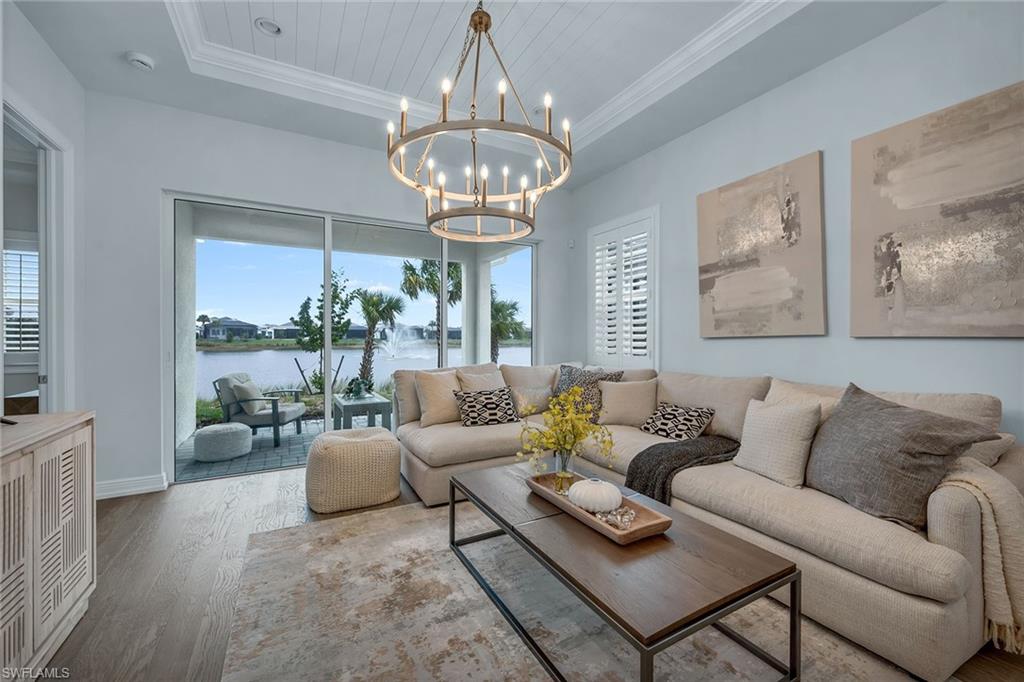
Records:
x=248, y=391
x=481, y=408
x=989, y=452
x=519, y=375
x=680, y=423
x=436, y=393
x=886, y=459
x=480, y=382
x=777, y=440
x=531, y=400
x=788, y=393
x=569, y=376
x=629, y=403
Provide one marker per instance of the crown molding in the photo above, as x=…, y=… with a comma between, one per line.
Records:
x=743, y=24
x=214, y=60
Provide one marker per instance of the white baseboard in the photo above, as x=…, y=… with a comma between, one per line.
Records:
x=121, y=487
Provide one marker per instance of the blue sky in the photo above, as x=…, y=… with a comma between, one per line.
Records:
x=266, y=284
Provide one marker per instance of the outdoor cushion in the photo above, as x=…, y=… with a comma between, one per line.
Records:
x=974, y=407
x=407, y=405
x=452, y=443
x=248, y=391
x=225, y=385
x=727, y=396
x=828, y=528
x=436, y=394
x=627, y=402
x=286, y=412
x=627, y=443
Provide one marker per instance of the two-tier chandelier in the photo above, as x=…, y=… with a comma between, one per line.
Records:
x=481, y=213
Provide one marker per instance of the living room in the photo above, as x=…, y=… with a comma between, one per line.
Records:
x=771, y=241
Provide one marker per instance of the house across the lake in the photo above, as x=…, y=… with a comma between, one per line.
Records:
x=228, y=327
x=279, y=331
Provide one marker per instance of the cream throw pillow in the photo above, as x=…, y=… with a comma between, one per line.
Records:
x=788, y=393
x=436, y=394
x=628, y=403
x=480, y=382
x=777, y=440
x=246, y=390
x=531, y=400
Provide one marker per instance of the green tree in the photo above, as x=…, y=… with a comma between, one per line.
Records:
x=505, y=322
x=311, y=327
x=204, y=320
x=426, y=279
x=378, y=309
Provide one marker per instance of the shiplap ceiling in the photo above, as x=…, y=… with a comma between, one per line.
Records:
x=584, y=53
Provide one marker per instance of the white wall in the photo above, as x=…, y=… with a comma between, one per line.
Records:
x=949, y=54
x=135, y=152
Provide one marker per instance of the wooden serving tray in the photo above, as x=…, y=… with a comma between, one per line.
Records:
x=647, y=522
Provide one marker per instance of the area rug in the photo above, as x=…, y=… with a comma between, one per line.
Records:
x=379, y=596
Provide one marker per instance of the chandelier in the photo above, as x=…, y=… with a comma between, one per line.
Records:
x=489, y=210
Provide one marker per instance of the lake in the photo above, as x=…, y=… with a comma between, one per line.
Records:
x=277, y=367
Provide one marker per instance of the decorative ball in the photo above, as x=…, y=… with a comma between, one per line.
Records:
x=595, y=495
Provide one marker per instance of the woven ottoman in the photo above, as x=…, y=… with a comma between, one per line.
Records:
x=352, y=468
x=218, y=442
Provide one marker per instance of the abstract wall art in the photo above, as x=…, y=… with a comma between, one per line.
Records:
x=760, y=254
x=937, y=210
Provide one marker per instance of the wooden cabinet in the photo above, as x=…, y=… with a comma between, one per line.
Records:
x=48, y=513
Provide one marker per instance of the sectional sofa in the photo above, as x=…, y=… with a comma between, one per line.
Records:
x=914, y=598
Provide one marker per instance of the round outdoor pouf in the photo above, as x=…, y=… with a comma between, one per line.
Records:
x=352, y=468
x=218, y=442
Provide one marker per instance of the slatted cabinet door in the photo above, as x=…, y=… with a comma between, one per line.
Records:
x=16, y=562
x=64, y=523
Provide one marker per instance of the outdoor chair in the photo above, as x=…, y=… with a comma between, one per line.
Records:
x=275, y=416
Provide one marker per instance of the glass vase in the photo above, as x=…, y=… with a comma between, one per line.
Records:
x=563, y=476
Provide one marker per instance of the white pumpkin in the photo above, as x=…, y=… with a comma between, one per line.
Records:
x=595, y=495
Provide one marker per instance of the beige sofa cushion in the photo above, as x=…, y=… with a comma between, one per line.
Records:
x=531, y=399
x=777, y=441
x=436, y=394
x=628, y=442
x=828, y=528
x=989, y=452
x=975, y=407
x=629, y=403
x=631, y=374
x=1011, y=465
x=530, y=377
x=484, y=381
x=728, y=396
x=452, y=443
x=407, y=405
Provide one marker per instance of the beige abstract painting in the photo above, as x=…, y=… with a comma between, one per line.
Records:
x=938, y=223
x=760, y=254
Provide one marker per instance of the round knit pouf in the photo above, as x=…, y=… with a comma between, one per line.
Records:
x=218, y=442
x=352, y=468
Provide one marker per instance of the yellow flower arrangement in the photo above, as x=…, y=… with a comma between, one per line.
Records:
x=568, y=423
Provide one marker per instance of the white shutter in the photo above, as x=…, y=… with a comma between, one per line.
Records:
x=21, y=301
x=622, y=306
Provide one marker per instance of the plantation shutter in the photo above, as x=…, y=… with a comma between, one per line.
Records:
x=621, y=305
x=21, y=301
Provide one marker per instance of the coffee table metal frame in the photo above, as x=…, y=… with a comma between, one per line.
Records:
x=647, y=651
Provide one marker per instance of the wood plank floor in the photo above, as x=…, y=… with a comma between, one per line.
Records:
x=168, y=568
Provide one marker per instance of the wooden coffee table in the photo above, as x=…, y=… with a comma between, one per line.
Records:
x=654, y=592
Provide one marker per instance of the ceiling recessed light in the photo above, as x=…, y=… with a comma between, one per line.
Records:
x=142, y=62
x=268, y=26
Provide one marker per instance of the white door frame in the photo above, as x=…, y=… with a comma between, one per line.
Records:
x=56, y=264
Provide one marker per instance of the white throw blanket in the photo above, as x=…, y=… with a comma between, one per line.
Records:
x=1002, y=549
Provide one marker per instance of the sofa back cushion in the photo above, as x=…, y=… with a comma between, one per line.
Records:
x=628, y=403
x=727, y=396
x=484, y=381
x=982, y=409
x=520, y=376
x=631, y=374
x=406, y=404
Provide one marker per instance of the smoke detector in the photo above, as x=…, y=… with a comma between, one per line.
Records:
x=142, y=62
x=268, y=26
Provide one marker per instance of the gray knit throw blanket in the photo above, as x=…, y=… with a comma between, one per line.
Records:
x=651, y=472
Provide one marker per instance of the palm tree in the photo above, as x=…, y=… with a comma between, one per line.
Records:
x=427, y=279
x=504, y=322
x=378, y=309
x=204, y=320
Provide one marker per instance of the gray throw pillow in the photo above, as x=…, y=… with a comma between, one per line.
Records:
x=589, y=381
x=886, y=459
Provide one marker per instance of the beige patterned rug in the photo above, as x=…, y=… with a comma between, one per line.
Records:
x=379, y=596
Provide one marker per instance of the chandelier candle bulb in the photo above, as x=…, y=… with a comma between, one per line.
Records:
x=512, y=221
x=404, y=120
x=523, y=182
x=446, y=91
x=504, y=179
x=539, y=164
x=401, y=159
x=502, y=87
x=483, y=176
x=469, y=175
x=430, y=172
x=568, y=136
x=391, y=134
x=440, y=188
x=547, y=112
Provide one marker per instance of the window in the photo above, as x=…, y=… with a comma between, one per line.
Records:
x=21, y=301
x=621, y=311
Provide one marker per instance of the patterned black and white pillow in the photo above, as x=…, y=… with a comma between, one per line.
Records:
x=481, y=408
x=681, y=423
x=589, y=381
